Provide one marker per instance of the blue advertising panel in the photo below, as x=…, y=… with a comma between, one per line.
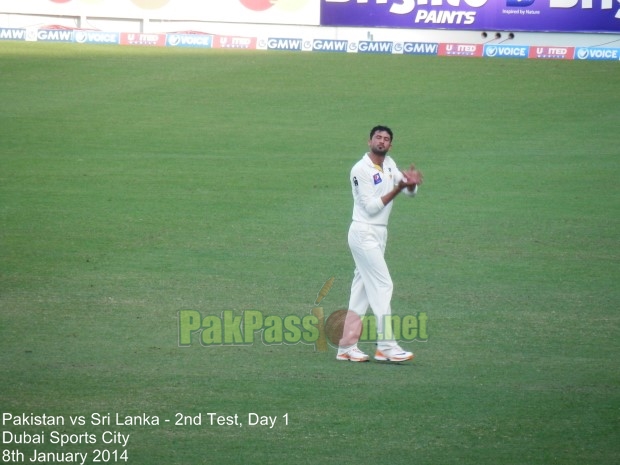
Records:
x=55, y=35
x=189, y=40
x=506, y=51
x=12, y=33
x=495, y=15
x=96, y=37
x=586, y=53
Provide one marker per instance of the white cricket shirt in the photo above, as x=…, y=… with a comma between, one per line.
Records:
x=369, y=183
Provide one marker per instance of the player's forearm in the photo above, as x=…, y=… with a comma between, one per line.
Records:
x=387, y=198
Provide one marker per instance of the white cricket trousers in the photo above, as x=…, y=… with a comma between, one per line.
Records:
x=372, y=284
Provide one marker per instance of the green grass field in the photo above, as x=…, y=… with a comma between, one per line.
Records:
x=139, y=182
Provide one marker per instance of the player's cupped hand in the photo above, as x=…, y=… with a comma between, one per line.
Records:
x=412, y=176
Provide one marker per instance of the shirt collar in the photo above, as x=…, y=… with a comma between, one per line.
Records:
x=369, y=162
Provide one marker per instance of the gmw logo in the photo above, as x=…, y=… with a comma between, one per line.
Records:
x=284, y=44
x=12, y=34
x=231, y=329
x=375, y=47
x=55, y=35
x=320, y=45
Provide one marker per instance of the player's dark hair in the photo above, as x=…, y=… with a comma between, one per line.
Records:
x=379, y=129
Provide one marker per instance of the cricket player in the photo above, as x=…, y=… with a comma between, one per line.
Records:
x=375, y=181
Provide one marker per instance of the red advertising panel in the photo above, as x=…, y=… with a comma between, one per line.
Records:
x=234, y=42
x=462, y=50
x=153, y=40
x=553, y=53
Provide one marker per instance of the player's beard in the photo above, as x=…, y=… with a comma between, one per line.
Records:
x=381, y=152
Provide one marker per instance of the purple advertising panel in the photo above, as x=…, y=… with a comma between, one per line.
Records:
x=484, y=15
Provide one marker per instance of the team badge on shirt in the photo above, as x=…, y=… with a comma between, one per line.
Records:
x=377, y=178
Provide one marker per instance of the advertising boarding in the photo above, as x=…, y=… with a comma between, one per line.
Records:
x=493, y=15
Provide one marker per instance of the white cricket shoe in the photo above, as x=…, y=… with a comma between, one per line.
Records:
x=393, y=354
x=352, y=355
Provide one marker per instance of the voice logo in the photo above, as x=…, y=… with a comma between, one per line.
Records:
x=586, y=53
x=506, y=51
